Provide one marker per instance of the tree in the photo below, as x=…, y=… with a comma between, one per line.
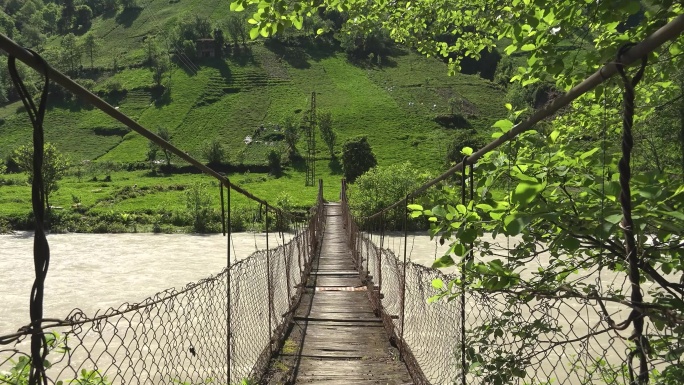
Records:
x=563, y=193
x=91, y=45
x=160, y=67
x=55, y=166
x=66, y=20
x=214, y=152
x=71, y=52
x=382, y=186
x=357, y=158
x=236, y=27
x=219, y=41
x=291, y=130
x=202, y=27
x=274, y=163
x=128, y=4
x=154, y=147
x=7, y=25
x=84, y=17
x=198, y=203
x=327, y=132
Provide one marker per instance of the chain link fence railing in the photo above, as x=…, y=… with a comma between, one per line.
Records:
x=222, y=329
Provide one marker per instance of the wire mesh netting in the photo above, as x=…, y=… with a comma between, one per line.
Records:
x=431, y=332
x=476, y=335
x=178, y=336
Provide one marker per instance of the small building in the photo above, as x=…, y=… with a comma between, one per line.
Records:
x=206, y=47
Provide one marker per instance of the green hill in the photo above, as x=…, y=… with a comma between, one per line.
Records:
x=407, y=106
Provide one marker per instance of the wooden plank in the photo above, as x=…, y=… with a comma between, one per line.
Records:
x=337, y=273
x=341, y=341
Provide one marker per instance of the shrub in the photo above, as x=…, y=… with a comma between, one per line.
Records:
x=463, y=138
x=198, y=203
x=274, y=163
x=214, y=152
x=382, y=186
x=284, y=202
x=357, y=158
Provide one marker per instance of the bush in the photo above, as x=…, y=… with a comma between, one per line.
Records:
x=274, y=163
x=382, y=186
x=214, y=152
x=283, y=202
x=199, y=207
x=463, y=138
x=357, y=158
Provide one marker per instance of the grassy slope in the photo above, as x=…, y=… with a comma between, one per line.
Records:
x=393, y=105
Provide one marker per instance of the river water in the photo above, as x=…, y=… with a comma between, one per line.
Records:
x=98, y=271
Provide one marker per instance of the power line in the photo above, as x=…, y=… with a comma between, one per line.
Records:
x=184, y=59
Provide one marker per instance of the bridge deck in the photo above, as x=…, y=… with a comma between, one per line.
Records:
x=336, y=338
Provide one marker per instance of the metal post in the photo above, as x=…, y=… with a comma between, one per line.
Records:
x=403, y=283
x=463, y=285
x=228, y=322
x=269, y=284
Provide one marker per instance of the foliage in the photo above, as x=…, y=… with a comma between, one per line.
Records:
x=90, y=45
x=71, y=53
x=382, y=186
x=283, y=202
x=57, y=344
x=292, y=131
x=274, y=162
x=237, y=29
x=164, y=134
x=214, y=152
x=55, y=166
x=325, y=124
x=360, y=44
x=560, y=202
x=460, y=140
x=357, y=158
x=198, y=203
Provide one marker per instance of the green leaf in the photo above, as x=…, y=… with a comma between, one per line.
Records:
x=528, y=47
x=459, y=249
x=237, y=6
x=415, y=207
x=444, y=261
x=554, y=135
x=589, y=153
x=297, y=22
x=526, y=191
x=484, y=207
x=674, y=214
x=467, y=151
x=504, y=125
x=253, y=33
x=439, y=211
x=614, y=219
x=514, y=224
x=437, y=283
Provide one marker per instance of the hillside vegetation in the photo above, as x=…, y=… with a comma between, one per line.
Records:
x=405, y=104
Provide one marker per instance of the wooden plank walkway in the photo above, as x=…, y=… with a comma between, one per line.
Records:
x=336, y=338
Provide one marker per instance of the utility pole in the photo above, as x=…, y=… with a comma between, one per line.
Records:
x=311, y=144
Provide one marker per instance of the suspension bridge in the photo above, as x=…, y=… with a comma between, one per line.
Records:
x=335, y=304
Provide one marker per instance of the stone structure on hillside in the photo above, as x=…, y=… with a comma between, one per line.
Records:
x=206, y=47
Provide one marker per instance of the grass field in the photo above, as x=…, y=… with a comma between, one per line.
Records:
x=394, y=105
